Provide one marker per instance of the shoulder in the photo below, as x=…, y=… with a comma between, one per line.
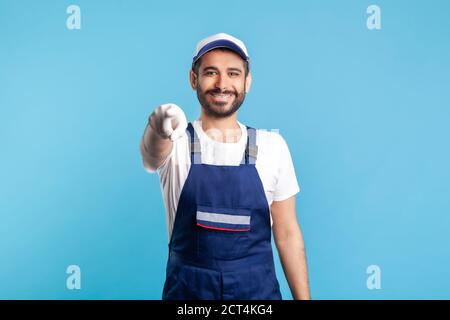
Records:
x=270, y=139
x=272, y=148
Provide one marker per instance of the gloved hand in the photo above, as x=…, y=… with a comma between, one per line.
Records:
x=168, y=121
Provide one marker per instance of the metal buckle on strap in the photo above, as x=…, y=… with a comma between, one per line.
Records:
x=253, y=151
x=196, y=147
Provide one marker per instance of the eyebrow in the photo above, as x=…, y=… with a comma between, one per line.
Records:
x=217, y=69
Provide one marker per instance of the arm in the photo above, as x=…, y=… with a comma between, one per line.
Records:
x=154, y=148
x=290, y=246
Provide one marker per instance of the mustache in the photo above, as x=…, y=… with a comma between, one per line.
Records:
x=218, y=91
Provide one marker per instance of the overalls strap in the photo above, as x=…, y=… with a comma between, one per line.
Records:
x=194, y=145
x=251, y=148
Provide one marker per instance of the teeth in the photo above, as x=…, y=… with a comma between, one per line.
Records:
x=221, y=95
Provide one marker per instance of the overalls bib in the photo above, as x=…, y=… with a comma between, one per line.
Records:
x=220, y=246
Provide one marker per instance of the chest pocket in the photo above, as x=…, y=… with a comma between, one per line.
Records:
x=223, y=232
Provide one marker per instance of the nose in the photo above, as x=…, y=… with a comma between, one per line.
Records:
x=221, y=83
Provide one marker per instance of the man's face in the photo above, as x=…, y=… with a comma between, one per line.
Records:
x=221, y=83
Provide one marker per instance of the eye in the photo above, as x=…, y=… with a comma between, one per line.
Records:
x=234, y=74
x=210, y=73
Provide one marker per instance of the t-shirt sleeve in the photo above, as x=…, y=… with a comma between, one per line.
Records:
x=176, y=161
x=287, y=184
x=162, y=169
x=172, y=175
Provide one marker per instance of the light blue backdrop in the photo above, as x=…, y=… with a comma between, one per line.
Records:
x=365, y=113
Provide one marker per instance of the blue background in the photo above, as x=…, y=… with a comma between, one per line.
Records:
x=365, y=113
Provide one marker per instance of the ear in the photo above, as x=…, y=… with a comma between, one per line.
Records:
x=248, y=82
x=193, y=79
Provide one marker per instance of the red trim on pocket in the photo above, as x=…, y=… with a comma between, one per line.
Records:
x=223, y=229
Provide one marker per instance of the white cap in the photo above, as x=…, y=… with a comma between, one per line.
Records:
x=220, y=40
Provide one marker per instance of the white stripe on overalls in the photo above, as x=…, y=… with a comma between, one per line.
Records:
x=223, y=218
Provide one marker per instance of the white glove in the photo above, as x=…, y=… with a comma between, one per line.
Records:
x=169, y=121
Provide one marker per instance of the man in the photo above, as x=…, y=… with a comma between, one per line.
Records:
x=225, y=187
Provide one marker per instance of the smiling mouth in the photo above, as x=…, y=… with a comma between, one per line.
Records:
x=221, y=97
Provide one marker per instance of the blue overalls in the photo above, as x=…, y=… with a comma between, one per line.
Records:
x=220, y=246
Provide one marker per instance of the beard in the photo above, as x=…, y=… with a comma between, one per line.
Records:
x=220, y=109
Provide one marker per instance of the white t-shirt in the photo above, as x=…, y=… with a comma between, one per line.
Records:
x=273, y=163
